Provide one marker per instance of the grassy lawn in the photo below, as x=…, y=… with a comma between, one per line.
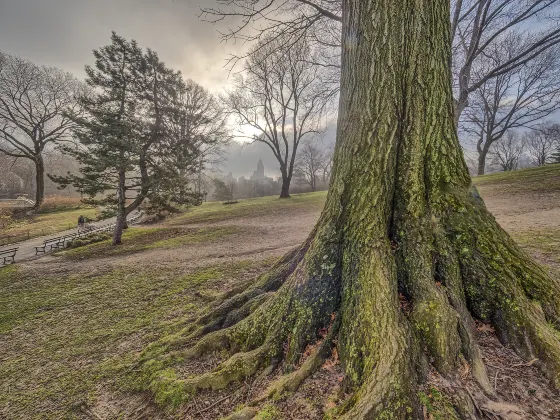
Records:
x=542, y=179
x=63, y=335
x=542, y=245
x=252, y=207
x=46, y=224
x=146, y=238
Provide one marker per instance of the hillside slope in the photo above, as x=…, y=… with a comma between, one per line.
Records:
x=72, y=323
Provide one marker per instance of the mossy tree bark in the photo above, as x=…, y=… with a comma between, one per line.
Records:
x=401, y=217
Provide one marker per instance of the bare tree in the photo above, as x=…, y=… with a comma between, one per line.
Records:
x=317, y=22
x=33, y=103
x=203, y=122
x=521, y=97
x=507, y=151
x=476, y=26
x=541, y=143
x=224, y=191
x=280, y=100
x=310, y=163
x=202, y=126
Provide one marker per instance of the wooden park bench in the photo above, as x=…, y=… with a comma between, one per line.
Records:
x=55, y=243
x=50, y=243
x=9, y=255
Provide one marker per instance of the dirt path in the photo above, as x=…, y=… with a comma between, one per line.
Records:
x=262, y=236
x=523, y=212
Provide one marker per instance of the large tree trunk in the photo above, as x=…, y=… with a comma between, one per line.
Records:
x=401, y=218
x=39, y=181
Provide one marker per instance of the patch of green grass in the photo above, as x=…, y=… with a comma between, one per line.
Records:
x=262, y=206
x=541, y=179
x=62, y=334
x=134, y=239
x=268, y=412
x=544, y=245
x=437, y=404
x=46, y=224
x=200, y=235
x=545, y=241
x=141, y=238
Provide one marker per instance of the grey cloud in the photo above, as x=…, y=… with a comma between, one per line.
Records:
x=63, y=33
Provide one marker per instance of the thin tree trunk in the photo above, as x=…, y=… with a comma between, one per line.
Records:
x=481, y=163
x=119, y=226
x=120, y=223
x=285, y=190
x=39, y=181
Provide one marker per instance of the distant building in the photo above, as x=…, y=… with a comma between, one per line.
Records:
x=257, y=185
x=258, y=175
x=229, y=178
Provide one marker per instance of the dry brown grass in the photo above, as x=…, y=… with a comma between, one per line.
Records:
x=54, y=203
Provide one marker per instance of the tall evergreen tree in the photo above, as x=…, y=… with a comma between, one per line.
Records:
x=404, y=254
x=129, y=148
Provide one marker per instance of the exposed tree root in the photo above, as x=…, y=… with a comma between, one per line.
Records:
x=385, y=352
x=504, y=287
x=292, y=381
x=246, y=413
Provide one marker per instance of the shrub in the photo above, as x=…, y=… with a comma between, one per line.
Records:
x=5, y=218
x=107, y=213
x=91, y=239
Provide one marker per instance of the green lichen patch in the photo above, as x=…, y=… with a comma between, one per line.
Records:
x=268, y=412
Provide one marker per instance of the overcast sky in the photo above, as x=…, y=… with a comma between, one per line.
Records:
x=63, y=33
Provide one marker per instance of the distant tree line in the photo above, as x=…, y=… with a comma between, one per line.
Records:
x=537, y=147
